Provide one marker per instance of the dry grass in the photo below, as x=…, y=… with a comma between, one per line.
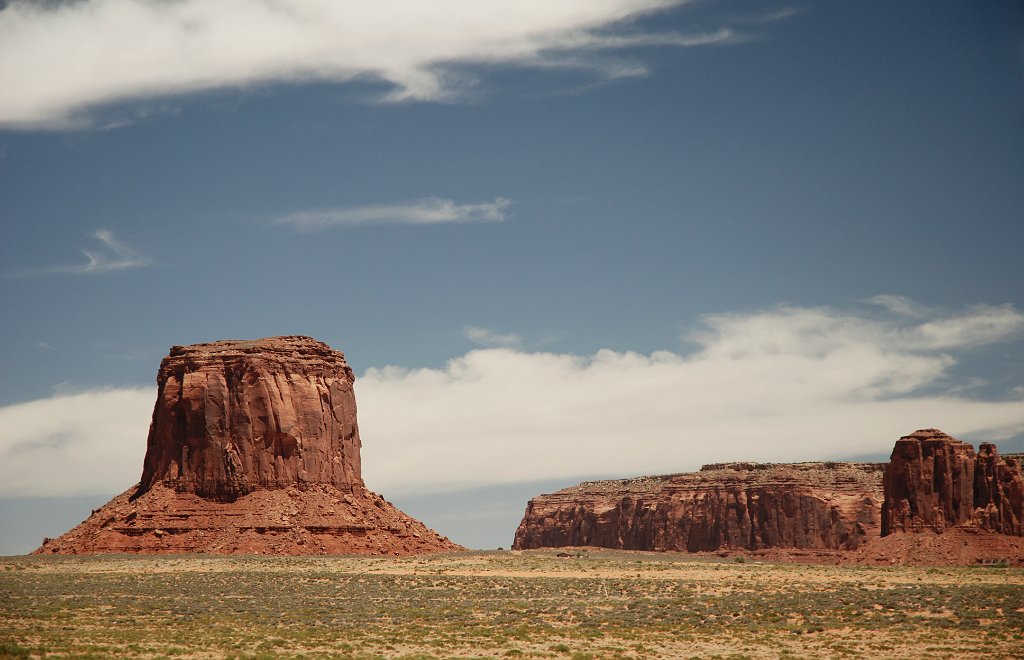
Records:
x=504, y=605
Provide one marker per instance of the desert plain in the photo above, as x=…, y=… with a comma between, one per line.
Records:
x=503, y=604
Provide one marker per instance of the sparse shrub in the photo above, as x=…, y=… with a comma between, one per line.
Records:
x=12, y=650
x=254, y=608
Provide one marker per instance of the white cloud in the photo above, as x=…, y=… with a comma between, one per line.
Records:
x=784, y=384
x=431, y=211
x=80, y=444
x=978, y=326
x=57, y=59
x=486, y=337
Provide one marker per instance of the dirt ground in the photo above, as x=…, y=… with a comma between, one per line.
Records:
x=534, y=604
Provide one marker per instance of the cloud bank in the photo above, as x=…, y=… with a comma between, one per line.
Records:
x=80, y=444
x=57, y=59
x=787, y=383
x=430, y=211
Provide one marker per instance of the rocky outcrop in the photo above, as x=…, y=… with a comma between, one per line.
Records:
x=253, y=447
x=724, y=506
x=934, y=482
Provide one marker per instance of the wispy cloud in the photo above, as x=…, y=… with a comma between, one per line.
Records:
x=980, y=325
x=781, y=384
x=770, y=16
x=114, y=255
x=587, y=51
x=57, y=60
x=899, y=305
x=110, y=254
x=431, y=211
x=976, y=326
x=486, y=337
x=596, y=41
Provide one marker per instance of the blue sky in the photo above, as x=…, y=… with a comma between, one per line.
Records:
x=554, y=240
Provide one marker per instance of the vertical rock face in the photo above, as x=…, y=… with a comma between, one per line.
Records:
x=934, y=482
x=234, y=416
x=999, y=492
x=724, y=506
x=929, y=483
x=253, y=448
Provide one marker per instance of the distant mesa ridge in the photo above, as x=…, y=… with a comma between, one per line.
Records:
x=254, y=448
x=724, y=505
x=932, y=482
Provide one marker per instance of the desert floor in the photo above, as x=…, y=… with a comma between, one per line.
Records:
x=533, y=604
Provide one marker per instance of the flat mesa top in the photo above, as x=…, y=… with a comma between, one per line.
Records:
x=929, y=434
x=837, y=474
x=272, y=344
x=286, y=350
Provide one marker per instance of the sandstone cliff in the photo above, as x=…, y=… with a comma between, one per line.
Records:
x=731, y=505
x=999, y=491
x=234, y=416
x=253, y=447
x=934, y=482
x=935, y=501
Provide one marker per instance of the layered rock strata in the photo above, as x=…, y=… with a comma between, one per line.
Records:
x=318, y=519
x=253, y=447
x=723, y=506
x=934, y=482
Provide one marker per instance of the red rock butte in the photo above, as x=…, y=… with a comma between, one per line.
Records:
x=234, y=416
x=935, y=482
x=253, y=448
